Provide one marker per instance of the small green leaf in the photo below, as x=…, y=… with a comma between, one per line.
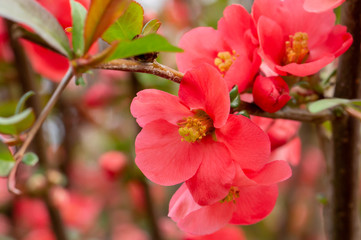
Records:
x=151, y=27
x=243, y=113
x=356, y=102
x=30, y=159
x=101, y=15
x=22, y=101
x=234, y=97
x=127, y=26
x=32, y=14
x=321, y=198
x=17, y=123
x=324, y=104
x=7, y=160
x=78, y=13
x=80, y=81
x=147, y=44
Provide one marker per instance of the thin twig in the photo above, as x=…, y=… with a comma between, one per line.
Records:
x=49, y=106
x=353, y=112
x=154, y=68
x=287, y=113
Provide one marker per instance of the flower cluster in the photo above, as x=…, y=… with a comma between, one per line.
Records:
x=224, y=159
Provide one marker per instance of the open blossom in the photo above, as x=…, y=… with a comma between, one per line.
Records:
x=250, y=199
x=231, y=48
x=227, y=233
x=321, y=5
x=294, y=41
x=193, y=137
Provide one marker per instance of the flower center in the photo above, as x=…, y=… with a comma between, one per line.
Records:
x=196, y=127
x=224, y=60
x=297, y=48
x=232, y=195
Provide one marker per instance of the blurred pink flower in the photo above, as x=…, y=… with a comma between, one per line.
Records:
x=294, y=41
x=177, y=142
x=321, y=5
x=40, y=234
x=113, y=163
x=231, y=48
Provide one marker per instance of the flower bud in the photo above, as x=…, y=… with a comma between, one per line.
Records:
x=270, y=93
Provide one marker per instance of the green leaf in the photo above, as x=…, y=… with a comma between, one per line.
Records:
x=7, y=160
x=80, y=81
x=78, y=13
x=17, y=123
x=101, y=15
x=356, y=102
x=147, y=44
x=22, y=101
x=30, y=159
x=127, y=26
x=234, y=97
x=151, y=27
x=324, y=104
x=32, y=14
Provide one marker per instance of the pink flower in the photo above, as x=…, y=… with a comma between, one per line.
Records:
x=193, y=137
x=321, y=5
x=231, y=48
x=113, y=163
x=250, y=199
x=294, y=41
x=270, y=93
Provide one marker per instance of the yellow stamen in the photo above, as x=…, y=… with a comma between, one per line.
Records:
x=297, y=48
x=232, y=195
x=196, y=127
x=224, y=60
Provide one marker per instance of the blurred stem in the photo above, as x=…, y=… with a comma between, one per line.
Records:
x=33, y=131
x=344, y=200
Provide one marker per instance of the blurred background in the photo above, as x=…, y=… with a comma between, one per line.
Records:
x=86, y=176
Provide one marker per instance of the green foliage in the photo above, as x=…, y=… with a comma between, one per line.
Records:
x=150, y=43
x=32, y=14
x=324, y=104
x=21, y=104
x=30, y=159
x=17, y=123
x=7, y=160
x=151, y=27
x=78, y=13
x=234, y=97
x=102, y=14
x=127, y=26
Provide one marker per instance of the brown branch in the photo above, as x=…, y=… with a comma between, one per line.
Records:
x=288, y=113
x=344, y=200
x=154, y=68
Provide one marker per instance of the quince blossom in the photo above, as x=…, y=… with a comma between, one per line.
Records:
x=193, y=137
x=250, y=199
x=294, y=41
x=232, y=49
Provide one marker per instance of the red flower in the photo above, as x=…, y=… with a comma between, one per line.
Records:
x=270, y=93
x=50, y=64
x=294, y=41
x=231, y=48
x=193, y=138
x=321, y=5
x=226, y=233
x=250, y=199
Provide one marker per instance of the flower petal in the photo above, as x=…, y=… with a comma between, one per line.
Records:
x=254, y=204
x=321, y=5
x=204, y=88
x=200, y=45
x=248, y=144
x=213, y=179
x=271, y=173
x=163, y=157
x=152, y=104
